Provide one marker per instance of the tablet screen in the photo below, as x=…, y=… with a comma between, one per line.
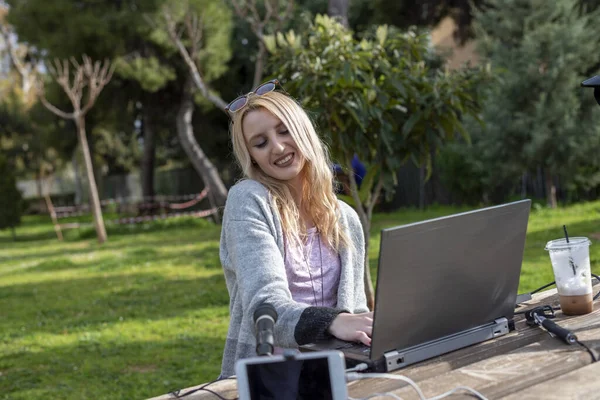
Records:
x=290, y=380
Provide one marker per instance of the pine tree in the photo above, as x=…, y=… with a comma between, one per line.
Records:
x=538, y=117
x=10, y=198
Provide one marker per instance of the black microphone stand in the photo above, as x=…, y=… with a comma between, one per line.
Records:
x=540, y=316
x=265, y=317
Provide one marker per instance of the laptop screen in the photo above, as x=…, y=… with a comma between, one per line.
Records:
x=447, y=275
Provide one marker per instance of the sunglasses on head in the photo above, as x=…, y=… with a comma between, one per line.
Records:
x=241, y=101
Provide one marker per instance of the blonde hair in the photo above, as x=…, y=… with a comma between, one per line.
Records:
x=318, y=198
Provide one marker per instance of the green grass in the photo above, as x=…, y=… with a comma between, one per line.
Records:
x=147, y=312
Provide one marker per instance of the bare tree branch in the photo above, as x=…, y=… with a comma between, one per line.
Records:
x=188, y=57
x=274, y=18
x=94, y=76
x=28, y=80
x=97, y=75
x=284, y=16
x=54, y=109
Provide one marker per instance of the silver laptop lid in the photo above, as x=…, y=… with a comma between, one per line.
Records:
x=446, y=275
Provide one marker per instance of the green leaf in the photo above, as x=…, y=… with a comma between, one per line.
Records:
x=410, y=124
x=366, y=186
x=382, y=33
x=270, y=43
x=347, y=199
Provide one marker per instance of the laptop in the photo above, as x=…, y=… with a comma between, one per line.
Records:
x=442, y=284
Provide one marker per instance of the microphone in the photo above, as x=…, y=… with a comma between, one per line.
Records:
x=265, y=317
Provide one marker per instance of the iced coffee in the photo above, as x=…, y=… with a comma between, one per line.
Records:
x=571, y=265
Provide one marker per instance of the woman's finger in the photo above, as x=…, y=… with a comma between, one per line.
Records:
x=363, y=338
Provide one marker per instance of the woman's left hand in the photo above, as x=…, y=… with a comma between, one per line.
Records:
x=353, y=327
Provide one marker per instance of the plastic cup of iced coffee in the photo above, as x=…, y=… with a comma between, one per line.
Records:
x=571, y=266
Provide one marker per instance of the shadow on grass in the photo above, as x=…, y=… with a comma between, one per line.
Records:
x=172, y=237
x=205, y=258
x=28, y=237
x=112, y=370
x=82, y=304
x=41, y=229
x=88, y=232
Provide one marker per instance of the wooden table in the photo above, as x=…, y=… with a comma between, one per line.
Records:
x=525, y=364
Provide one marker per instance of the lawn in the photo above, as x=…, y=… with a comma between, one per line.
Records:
x=147, y=312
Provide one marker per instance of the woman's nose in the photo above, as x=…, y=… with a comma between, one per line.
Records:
x=278, y=147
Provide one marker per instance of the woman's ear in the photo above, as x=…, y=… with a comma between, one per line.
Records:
x=254, y=162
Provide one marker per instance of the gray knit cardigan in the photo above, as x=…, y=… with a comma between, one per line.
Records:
x=252, y=256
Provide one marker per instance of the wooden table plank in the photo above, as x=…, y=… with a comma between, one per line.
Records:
x=225, y=388
x=498, y=368
x=500, y=375
x=581, y=384
x=497, y=376
x=522, y=336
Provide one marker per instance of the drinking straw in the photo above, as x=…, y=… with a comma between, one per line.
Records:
x=571, y=262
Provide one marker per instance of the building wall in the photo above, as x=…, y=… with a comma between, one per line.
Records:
x=442, y=37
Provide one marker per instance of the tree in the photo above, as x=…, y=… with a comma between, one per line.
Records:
x=26, y=130
x=146, y=89
x=17, y=54
x=378, y=97
x=10, y=200
x=94, y=76
x=276, y=13
x=206, y=24
x=535, y=118
x=338, y=9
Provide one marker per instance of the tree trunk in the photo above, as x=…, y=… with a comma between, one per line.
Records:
x=550, y=188
x=40, y=192
x=259, y=65
x=365, y=213
x=94, y=199
x=148, y=157
x=369, y=291
x=77, y=176
x=338, y=9
x=203, y=166
x=524, y=185
x=422, y=187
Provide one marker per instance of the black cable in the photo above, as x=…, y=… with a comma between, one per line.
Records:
x=591, y=353
x=598, y=279
x=524, y=311
x=543, y=287
x=554, y=282
x=202, y=388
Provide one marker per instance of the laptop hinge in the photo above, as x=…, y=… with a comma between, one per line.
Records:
x=398, y=359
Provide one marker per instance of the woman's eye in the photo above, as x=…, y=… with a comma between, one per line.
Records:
x=284, y=132
x=261, y=144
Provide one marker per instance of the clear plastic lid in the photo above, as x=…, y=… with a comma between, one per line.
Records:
x=561, y=244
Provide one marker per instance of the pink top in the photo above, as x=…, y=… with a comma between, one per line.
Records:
x=313, y=271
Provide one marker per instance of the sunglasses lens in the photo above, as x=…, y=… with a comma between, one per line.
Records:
x=266, y=88
x=238, y=103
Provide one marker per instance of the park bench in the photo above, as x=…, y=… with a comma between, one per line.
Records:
x=132, y=211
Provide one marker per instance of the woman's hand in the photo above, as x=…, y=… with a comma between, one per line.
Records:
x=353, y=327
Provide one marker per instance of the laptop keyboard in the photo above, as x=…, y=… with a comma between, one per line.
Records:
x=354, y=348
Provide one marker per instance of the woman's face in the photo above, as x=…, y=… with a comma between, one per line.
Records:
x=271, y=146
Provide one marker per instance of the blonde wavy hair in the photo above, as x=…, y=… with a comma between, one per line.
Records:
x=318, y=198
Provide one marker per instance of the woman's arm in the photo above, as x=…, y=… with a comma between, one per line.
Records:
x=250, y=240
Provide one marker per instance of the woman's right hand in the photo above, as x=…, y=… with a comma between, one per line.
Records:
x=353, y=327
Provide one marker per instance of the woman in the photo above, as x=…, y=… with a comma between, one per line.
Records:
x=286, y=240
